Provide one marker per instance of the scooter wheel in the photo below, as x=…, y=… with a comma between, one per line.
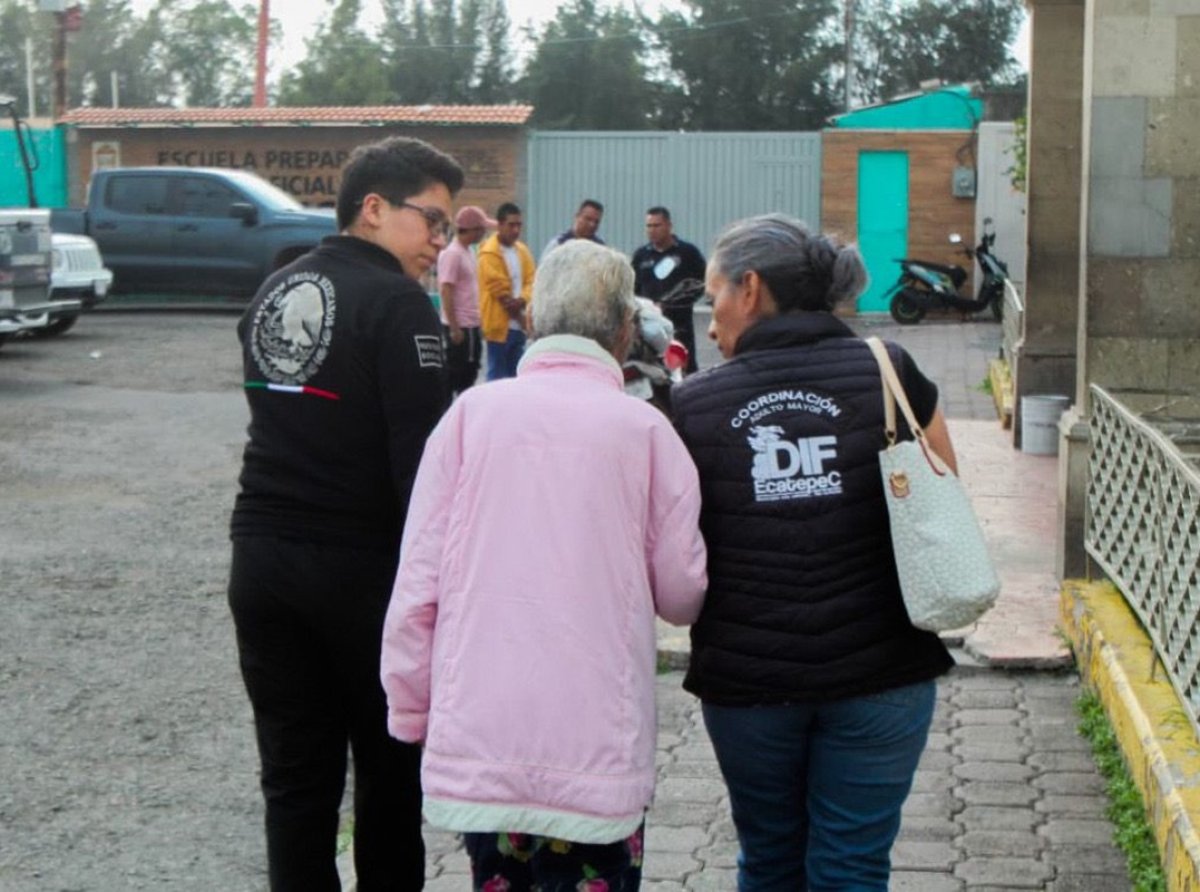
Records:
x=905, y=310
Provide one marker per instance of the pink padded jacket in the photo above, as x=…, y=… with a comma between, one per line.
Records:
x=552, y=519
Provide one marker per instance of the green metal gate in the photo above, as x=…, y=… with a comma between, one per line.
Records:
x=705, y=179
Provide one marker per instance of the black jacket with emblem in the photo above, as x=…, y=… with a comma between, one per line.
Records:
x=803, y=601
x=344, y=376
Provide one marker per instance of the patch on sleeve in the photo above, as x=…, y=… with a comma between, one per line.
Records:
x=429, y=351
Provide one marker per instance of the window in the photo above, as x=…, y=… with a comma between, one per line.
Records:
x=202, y=197
x=137, y=194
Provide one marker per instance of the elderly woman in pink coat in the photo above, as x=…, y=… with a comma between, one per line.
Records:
x=552, y=519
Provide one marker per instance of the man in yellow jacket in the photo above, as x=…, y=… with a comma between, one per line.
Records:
x=505, y=288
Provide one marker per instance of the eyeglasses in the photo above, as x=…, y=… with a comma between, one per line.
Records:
x=438, y=223
x=435, y=219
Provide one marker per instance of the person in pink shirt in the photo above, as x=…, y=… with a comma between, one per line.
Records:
x=458, y=284
x=552, y=519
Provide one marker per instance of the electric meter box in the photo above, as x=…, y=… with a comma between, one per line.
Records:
x=963, y=183
x=24, y=260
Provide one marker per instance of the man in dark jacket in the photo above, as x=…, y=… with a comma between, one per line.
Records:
x=585, y=225
x=344, y=376
x=660, y=266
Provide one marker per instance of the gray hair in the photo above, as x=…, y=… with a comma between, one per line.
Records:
x=583, y=289
x=804, y=271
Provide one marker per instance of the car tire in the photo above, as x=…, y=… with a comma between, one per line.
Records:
x=3, y=338
x=58, y=326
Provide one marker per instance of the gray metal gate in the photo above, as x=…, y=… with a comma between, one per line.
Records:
x=706, y=179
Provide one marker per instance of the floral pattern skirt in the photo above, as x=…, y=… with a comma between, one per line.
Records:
x=522, y=862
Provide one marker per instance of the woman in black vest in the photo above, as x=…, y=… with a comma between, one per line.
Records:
x=817, y=691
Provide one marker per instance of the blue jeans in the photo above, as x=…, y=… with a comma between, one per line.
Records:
x=502, y=359
x=817, y=788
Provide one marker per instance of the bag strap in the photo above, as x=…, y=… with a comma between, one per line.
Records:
x=893, y=394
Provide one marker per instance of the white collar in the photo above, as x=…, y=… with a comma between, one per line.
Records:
x=565, y=343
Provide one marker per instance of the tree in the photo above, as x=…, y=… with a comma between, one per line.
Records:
x=751, y=64
x=19, y=21
x=208, y=47
x=115, y=41
x=425, y=62
x=112, y=40
x=341, y=66
x=587, y=72
x=901, y=43
x=449, y=52
x=494, y=65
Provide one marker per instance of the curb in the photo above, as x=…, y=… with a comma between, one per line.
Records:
x=1117, y=661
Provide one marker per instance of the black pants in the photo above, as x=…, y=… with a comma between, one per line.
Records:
x=685, y=331
x=462, y=360
x=309, y=619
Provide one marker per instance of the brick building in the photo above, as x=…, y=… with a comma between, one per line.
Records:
x=301, y=150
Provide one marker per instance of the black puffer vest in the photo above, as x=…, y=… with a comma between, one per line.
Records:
x=803, y=601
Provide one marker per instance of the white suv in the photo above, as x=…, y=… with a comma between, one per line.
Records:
x=77, y=273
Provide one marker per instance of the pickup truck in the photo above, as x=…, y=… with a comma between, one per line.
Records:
x=191, y=229
x=25, y=253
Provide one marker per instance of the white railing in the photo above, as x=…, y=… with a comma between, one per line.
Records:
x=1143, y=529
x=1013, y=327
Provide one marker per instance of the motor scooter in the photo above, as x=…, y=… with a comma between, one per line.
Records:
x=925, y=286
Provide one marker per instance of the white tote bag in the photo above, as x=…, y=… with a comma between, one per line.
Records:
x=946, y=576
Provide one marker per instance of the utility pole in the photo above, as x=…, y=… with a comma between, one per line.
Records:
x=66, y=18
x=59, y=55
x=29, y=80
x=851, y=6
x=260, y=73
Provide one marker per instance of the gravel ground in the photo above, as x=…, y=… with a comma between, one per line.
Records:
x=126, y=743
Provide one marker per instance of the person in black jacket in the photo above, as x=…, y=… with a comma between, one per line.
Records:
x=662, y=265
x=342, y=352
x=817, y=691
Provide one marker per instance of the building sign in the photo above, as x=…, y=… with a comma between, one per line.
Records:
x=311, y=175
x=105, y=155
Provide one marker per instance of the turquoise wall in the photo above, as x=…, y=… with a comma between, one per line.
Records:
x=951, y=108
x=49, y=180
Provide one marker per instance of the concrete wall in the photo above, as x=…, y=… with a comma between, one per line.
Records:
x=1141, y=269
x=302, y=160
x=999, y=199
x=1138, y=264
x=1045, y=357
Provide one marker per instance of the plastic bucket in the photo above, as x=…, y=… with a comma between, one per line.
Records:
x=1039, y=423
